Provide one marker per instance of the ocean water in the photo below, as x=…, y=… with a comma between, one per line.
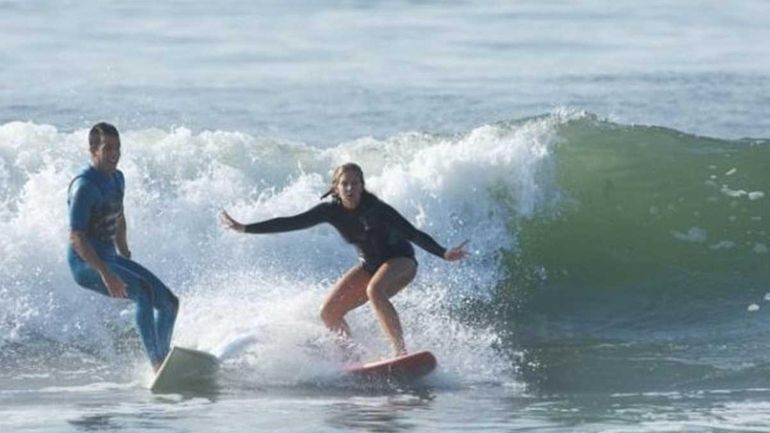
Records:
x=608, y=162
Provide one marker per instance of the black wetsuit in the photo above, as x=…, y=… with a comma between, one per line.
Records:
x=377, y=230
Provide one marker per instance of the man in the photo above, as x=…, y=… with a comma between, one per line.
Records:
x=98, y=253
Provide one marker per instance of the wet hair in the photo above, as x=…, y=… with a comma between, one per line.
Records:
x=338, y=172
x=99, y=131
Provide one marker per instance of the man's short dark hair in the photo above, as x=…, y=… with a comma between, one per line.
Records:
x=99, y=131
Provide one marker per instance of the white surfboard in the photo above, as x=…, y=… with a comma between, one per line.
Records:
x=185, y=369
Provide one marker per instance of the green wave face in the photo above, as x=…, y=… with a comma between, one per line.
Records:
x=647, y=215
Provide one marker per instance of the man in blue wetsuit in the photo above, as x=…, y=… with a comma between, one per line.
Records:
x=98, y=253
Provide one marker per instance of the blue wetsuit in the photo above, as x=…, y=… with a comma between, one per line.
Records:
x=95, y=204
x=377, y=230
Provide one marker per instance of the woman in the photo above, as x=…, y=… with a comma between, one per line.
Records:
x=382, y=237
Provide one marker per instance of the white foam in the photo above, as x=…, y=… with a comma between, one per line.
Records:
x=725, y=244
x=733, y=192
x=90, y=388
x=694, y=234
x=254, y=299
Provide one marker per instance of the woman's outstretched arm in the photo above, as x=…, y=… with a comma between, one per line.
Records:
x=315, y=215
x=422, y=239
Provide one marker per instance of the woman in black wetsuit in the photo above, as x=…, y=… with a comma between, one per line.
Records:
x=383, y=239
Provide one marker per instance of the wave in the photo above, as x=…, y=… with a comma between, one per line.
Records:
x=263, y=289
x=573, y=221
x=655, y=229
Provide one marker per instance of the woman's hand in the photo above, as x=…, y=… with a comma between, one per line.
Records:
x=456, y=253
x=230, y=223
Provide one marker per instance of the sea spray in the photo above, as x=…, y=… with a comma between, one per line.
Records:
x=576, y=225
x=261, y=293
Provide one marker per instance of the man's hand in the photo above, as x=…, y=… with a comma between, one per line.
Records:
x=121, y=239
x=115, y=285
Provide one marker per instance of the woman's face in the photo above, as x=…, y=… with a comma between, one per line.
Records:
x=349, y=189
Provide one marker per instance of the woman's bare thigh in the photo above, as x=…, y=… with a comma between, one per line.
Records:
x=348, y=293
x=394, y=275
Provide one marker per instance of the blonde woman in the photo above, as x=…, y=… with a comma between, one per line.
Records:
x=383, y=239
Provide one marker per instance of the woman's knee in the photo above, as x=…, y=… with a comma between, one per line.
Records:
x=376, y=292
x=329, y=314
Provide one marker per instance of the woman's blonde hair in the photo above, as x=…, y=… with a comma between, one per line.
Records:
x=338, y=172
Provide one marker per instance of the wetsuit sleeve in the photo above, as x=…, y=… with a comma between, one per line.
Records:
x=314, y=216
x=83, y=197
x=121, y=181
x=410, y=232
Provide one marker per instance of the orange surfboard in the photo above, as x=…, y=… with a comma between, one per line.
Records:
x=404, y=368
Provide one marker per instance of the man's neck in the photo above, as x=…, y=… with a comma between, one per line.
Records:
x=102, y=170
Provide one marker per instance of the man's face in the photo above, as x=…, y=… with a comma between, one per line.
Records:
x=106, y=155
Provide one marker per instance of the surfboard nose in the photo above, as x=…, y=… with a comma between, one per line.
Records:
x=186, y=369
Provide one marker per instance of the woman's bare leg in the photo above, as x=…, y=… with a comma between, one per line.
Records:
x=348, y=293
x=390, y=278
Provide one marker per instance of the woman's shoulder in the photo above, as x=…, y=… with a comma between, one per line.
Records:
x=378, y=203
x=369, y=199
x=373, y=205
x=325, y=207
